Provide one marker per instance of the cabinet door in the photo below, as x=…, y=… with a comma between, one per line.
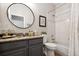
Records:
x=36, y=50
x=17, y=52
x=13, y=45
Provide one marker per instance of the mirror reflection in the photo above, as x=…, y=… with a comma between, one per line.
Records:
x=20, y=15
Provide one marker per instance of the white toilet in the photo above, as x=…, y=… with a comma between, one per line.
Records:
x=49, y=47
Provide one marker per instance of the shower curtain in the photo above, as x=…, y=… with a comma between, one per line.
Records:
x=73, y=32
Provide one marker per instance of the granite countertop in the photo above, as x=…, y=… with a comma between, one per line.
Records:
x=20, y=38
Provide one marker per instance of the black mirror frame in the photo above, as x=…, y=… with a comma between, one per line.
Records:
x=30, y=10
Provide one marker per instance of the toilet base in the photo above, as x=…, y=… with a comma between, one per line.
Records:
x=49, y=52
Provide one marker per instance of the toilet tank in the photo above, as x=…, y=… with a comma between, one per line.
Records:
x=45, y=38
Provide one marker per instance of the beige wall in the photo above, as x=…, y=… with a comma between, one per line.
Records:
x=0, y=17
x=38, y=9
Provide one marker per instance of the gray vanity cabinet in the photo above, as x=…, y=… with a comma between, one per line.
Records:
x=27, y=47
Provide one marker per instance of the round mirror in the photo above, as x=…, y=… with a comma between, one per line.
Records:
x=20, y=15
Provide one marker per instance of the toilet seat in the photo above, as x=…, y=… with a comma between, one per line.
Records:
x=51, y=46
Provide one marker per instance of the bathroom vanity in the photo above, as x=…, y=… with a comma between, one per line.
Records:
x=22, y=46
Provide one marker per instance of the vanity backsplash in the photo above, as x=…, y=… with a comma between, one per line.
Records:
x=11, y=33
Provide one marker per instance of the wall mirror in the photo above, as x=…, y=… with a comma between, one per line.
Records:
x=20, y=15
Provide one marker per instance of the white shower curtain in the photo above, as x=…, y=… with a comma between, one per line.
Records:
x=73, y=33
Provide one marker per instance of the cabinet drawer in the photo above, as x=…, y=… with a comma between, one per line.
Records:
x=12, y=45
x=18, y=52
x=35, y=41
